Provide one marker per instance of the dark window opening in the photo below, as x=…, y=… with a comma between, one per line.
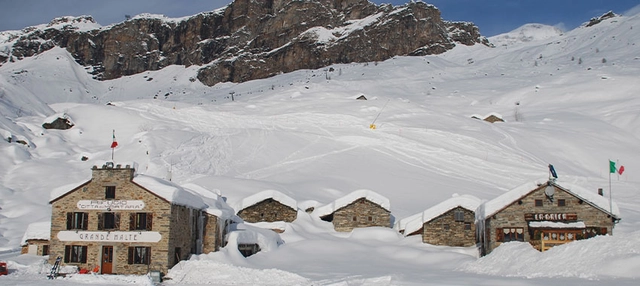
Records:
x=45, y=250
x=355, y=218
x=370, y=218
x=108, y=221
x=458, y=215
x=77, y=220
x=110, y=192
x=139, y=255
x=248, y=249
x=538, y=203
x=467, y=226
x=562, y=203
x=140, y=221
x=75, y=254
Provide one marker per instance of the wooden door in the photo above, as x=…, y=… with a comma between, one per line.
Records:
x=107, y=259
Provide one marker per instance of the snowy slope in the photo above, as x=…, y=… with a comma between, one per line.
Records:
x=305, y=135
x=524, y=34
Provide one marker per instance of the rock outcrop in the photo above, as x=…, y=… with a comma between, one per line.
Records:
x=252, y=39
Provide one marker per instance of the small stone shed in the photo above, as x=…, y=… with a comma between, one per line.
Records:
x=361, y=208
x=450, y=223
x=545, y=214
x=268, y=206
x=36, y=238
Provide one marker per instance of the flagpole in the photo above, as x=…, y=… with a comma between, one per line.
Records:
x=610, y=201
x=112, y=148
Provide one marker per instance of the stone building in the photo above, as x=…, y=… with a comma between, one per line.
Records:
x=36, y=238
x=545, y=214
x=450, y=223
x=268, y=206
x=128, y=223
x=361, y=208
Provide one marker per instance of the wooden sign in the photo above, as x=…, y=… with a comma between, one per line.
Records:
x=110, y=205
x=551, y=217
x=110, y=236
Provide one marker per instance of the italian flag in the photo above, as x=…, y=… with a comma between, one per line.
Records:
x=613, y=169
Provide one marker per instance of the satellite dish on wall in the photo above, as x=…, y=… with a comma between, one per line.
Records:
x=549, y=191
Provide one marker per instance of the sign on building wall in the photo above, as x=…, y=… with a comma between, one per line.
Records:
x=112, y=205
x=551, y=217
x=110, y=236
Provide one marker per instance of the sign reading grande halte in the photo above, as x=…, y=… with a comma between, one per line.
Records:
x=110, y=205
x=111, y=236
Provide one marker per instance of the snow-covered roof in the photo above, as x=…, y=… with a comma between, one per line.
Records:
x=350, y=198
x=216, y=205
x=415, y=222
x=169, y=191
x=247, y=234
x=493, y=206
x=556, y=224
x=264, y=195
x=37, y=230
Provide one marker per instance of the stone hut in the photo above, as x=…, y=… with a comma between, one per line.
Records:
x=450, y=223
x=545, y=214
x=361, y=208
x=268, y=206
x=36, y=238
x=128, y=223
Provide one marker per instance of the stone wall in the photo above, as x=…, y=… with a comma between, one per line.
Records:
x=214, y=232
x=445, y=230
x=361, y=213
x=268, y=210
x=162, y=220
x=39, y=244
x=513, y=216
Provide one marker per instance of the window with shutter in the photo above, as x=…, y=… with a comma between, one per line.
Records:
x=149, y=221
x=67, y=253
x=139, y=255
x=108, y=221
x=77, y=220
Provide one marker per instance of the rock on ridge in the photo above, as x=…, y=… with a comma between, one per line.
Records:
x=252, y=39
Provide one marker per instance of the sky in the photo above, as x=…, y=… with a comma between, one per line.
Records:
x=491, y=16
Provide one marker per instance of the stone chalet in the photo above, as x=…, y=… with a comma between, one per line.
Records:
x=450, y=223
x=545, y=214
x=361, y=208
x=36, y=238
x=268, y=207
x=128, y=223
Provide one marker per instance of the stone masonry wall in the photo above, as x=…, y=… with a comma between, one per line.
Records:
x=183, y=233
x=125, y=190
x=212, y=233
x=445, y=230
x=513, y=215
x=268, y=210
x=361, y=213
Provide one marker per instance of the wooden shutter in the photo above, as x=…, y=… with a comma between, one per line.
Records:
x=147, y=258
x=499, y=235
x=603, y=231
x=83, y=259
x=132, y=221
x=131, y=250
x=67, y=253
x=85, y=220
x=116, y=221
x=100, y=221
x=149, y=220
x=69, y=221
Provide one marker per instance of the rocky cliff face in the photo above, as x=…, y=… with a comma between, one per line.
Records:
x=251, y=39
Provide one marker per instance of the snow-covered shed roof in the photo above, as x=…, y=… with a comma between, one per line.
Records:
x=264, y=195
x=415, y=222
x=37, y=230
x=352, y=197
x=591, y=197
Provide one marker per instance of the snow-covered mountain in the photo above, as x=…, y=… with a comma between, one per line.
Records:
x=569, y=100
x=526, y=33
